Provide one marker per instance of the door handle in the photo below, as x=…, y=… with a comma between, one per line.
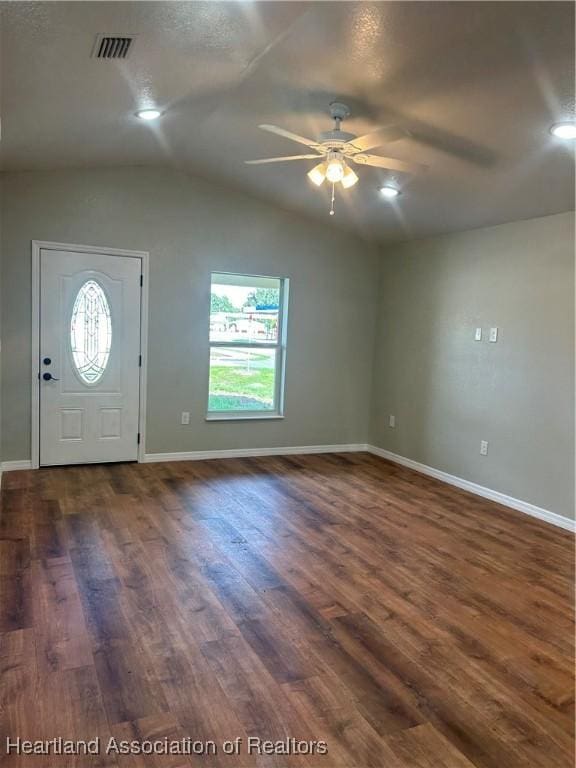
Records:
x=49, y=377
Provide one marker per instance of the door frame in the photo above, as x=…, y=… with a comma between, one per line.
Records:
x=46, y=245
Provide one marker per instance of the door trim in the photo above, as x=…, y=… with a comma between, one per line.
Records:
x=44, y=245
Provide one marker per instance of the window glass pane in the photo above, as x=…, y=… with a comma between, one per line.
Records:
x=90, y=332
x=244, y=309
x=242, y=379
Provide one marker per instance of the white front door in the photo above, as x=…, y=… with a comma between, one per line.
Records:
x=89, y=357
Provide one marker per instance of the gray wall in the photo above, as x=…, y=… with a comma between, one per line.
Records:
x=191, y=227
x=449, y=392
x=418, y=362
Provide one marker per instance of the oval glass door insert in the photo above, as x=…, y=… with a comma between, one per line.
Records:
x=91, y=332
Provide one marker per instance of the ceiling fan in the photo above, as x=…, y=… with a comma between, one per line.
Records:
x=338, y=148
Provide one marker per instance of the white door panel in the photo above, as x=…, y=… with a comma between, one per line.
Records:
x=90, y=346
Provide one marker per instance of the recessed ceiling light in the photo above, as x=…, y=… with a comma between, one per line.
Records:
x=565, y=130
x=389, y=192
x=148, y=114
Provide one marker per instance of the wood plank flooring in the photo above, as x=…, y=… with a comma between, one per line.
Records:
x=338, y=598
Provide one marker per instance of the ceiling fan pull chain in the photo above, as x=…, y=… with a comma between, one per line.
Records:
x=332, y=200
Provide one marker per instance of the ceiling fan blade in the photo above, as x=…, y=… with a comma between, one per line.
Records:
x=289, y=135
x=379, y=137
x=390, y=163
x=281, y=159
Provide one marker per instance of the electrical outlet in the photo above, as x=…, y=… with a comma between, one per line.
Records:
x=185, y=417
x=391, y=421
x=483, y=447
x=493, y=335
x=478, y=334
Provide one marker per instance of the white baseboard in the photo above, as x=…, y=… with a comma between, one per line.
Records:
x=479, y=490
x=11, y=466
x=235, y=453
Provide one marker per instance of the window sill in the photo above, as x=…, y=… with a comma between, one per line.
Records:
x=242, y=416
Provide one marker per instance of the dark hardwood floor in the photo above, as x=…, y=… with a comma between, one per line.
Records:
x=334, y=597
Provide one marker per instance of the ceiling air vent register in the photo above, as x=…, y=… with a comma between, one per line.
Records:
x=112, y=46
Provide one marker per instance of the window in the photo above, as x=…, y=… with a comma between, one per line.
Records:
x=90, y=332
x=247, y=346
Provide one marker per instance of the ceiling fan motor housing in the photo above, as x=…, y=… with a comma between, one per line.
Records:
x=335, y=139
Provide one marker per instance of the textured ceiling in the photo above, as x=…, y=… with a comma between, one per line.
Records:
x=477, y=85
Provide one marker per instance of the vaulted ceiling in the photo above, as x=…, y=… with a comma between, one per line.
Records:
x=476, y=84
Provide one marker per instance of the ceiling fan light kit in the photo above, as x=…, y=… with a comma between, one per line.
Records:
x=339, y=149
x=349, y=178
x=318, y=174
x=335, y=167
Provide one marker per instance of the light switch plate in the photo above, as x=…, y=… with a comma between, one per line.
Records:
x=484, y=447
x=493, y=334
x=478, y=334
x=391, y=421
x=185, y=417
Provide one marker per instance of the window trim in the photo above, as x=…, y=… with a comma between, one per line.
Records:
x=279, y=346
